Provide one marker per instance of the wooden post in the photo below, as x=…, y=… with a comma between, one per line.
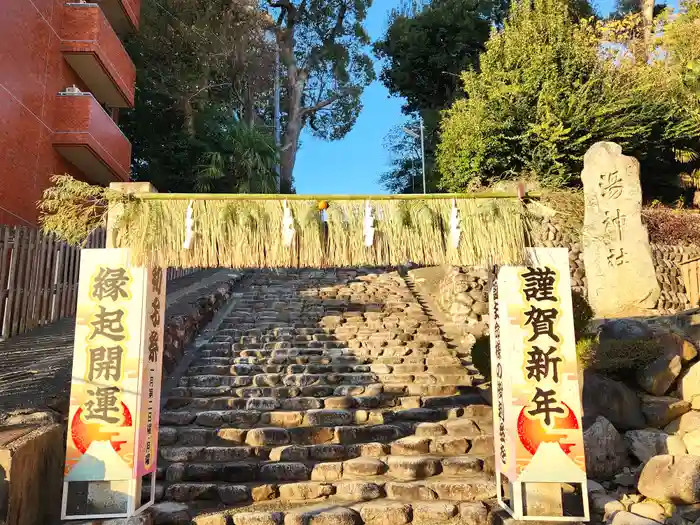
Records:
x=116, y=211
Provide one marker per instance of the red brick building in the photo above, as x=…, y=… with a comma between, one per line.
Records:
x=47, y=47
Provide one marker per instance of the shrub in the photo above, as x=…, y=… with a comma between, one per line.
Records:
x=583, y=313
x=543, y=95
x=481, y=356
x=616, y=355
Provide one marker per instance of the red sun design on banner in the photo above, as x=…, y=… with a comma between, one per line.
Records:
x=532, y=431
x=84, y=434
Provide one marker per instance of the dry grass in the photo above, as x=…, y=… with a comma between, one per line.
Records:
x=669, y=226
x=237, y=234
x=616, y=355
x=248, y=233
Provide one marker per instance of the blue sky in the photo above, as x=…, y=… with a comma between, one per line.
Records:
x=353, y=165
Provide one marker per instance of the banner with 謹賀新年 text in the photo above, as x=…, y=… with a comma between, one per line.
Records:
x=113, y=368
x=536, y=397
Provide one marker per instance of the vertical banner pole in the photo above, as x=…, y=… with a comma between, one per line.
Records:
x=536, y=397
x=112, y=443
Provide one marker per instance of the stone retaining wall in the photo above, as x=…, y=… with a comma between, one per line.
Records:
x=462, y=291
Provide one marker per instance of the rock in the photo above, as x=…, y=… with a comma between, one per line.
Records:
x=327, y=471
x=627, y=478
x=594, y=486
x=304, y=491
x=678, y=345
x=431, y=512
x=358, y=491
x=660, y=411
x=692, y=441
x=264, y=492
x=645, y=444
x=613, y=400
x=627, y=518
x=616, y=251
x=689, y=383
x=649, y=509
x=658, y=376
x=686, y=423
x=410, y=467
x=473, y=513
x=258, y=518
x=604, y=504
x=673, y=479
x=624, y=329
x=323, y=515
x=385, y=513
x=363, y=467
x=606, y=452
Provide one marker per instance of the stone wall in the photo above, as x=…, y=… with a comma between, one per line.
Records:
x=463, y=290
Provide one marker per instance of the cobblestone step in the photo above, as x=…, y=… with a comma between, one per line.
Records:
x=327, y=463
x=328, y=386
x=464, y=488
x=294, y=445
x=413, y=390
x=333, y=511
x=385, y=401
x=301, y=380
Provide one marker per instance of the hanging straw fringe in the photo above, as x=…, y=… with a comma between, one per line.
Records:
x=278, y=234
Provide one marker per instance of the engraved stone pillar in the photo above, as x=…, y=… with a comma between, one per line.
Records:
x=616, y=251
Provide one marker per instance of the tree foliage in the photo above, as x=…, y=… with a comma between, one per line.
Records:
x=201, y=65
x=545, y=93
x=423, y=54
x=426, y=47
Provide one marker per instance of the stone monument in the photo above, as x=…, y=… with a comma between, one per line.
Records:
x=616, y=251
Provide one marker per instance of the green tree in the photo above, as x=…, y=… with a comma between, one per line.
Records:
x=424, y=53
x=198, y=63
x=322, y=47
x=543, y=95
x=425, y=48
x=243, y=161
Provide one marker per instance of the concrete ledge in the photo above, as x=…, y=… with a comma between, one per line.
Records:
x=31, y=474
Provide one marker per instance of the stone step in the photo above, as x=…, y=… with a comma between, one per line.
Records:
x=301, y=445
x=289, y=429
x=386, y=363
x=312, y=464
x=330, y=511
x=385, y=401
x=464, y=379
x=383, y=355
x=375, y=389
x=224, y=366
x=467, y=488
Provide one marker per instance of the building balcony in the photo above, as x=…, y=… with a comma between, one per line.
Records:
x=85, y=135
x=94, y=51
x=123, y=15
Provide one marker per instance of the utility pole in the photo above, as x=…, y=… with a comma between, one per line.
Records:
x=422, y=151
x=278, y=141
x=415, y=135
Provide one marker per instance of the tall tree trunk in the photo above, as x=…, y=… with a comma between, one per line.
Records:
x=188, y=112
x=648, y=20
x=296, y=83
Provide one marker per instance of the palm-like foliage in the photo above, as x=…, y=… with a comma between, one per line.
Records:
x=243, y=162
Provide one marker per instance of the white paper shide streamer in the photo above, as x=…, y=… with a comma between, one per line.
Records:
x=189, y=224
x=455, y=231
x=287, y=225
x=369, y=225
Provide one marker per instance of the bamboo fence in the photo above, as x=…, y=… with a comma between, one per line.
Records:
x=39, y=278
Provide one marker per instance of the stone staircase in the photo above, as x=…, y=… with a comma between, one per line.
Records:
x=326, y=397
